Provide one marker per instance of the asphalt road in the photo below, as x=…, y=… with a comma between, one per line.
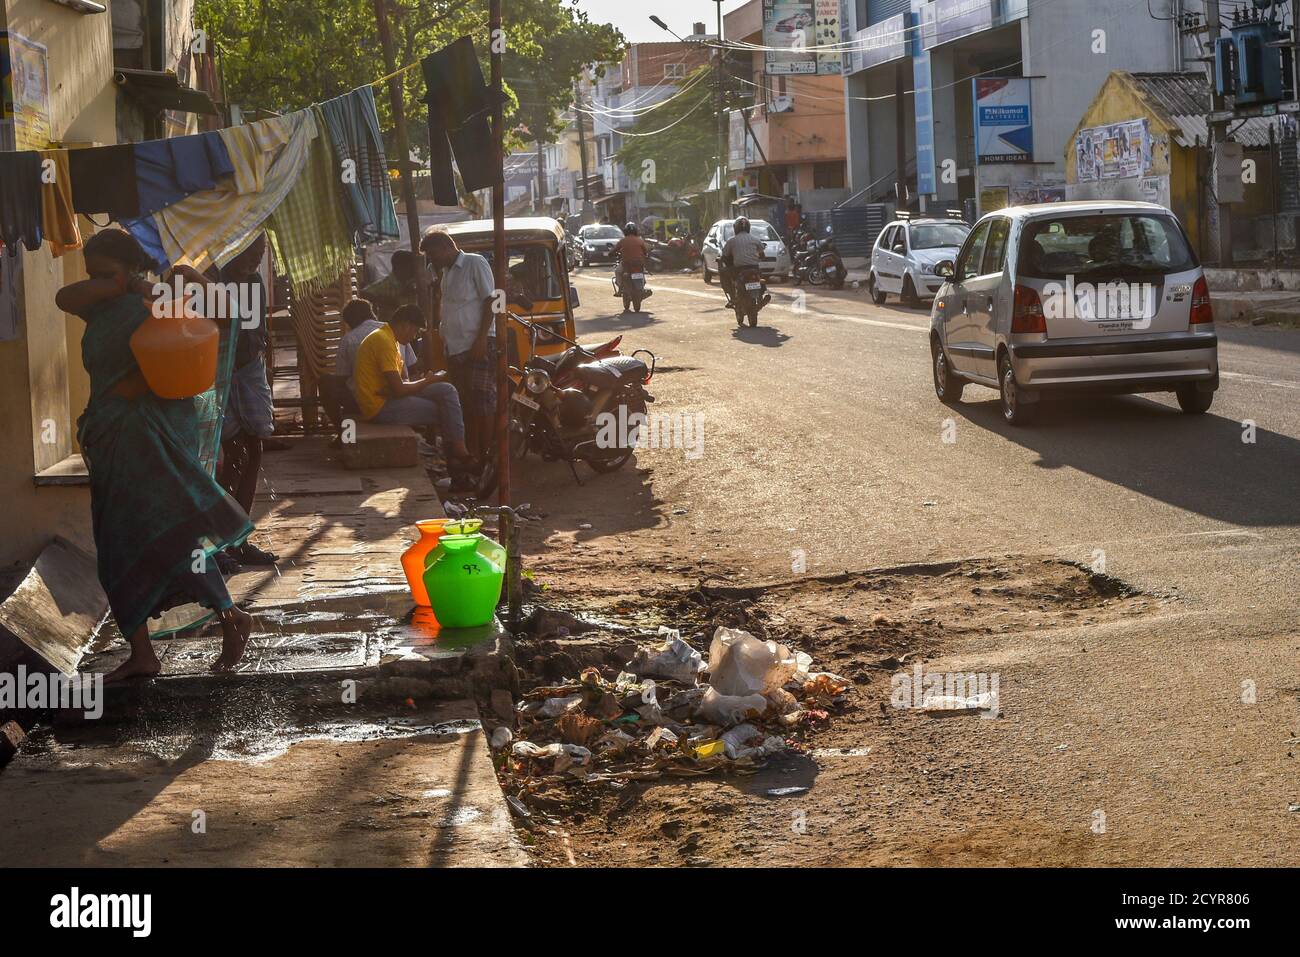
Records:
x=822, y=440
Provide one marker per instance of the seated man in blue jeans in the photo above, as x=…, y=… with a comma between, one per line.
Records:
x=385, y=396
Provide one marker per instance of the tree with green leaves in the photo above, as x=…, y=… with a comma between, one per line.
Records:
x=674, y=147
x=287, y=54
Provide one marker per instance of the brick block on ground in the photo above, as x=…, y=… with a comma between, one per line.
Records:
x=381, y=447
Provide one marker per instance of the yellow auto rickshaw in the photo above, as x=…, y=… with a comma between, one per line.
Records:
x=536, y=271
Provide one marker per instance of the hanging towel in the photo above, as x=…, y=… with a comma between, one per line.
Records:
x=214, y=226
x=460, y=105
x=20, y=200
x=253, y=147
x=353, y=126
x=169, y=170
x=58, y=221
x=103, y=181
x=309, y=230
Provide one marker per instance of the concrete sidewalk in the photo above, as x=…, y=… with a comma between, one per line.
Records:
x=348, y=736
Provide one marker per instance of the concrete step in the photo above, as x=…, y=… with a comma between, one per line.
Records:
x=378, y=446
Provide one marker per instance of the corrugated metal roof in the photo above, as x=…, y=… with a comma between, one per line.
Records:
x=1184, y=99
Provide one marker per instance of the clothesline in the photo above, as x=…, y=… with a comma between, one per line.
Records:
x=315, y=180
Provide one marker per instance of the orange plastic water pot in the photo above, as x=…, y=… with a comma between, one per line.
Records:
x=415, y=558
x=177, y=355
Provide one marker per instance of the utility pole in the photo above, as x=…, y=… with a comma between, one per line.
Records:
x=1219, y=135
x=404, y=171
x=582, y=147
x=541, y=181
x=723, y=158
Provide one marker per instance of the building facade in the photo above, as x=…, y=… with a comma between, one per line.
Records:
x=792, y=141
x=975, y=100
x=76, y=88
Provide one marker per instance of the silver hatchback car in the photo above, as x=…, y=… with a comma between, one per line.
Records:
x=1072, y=298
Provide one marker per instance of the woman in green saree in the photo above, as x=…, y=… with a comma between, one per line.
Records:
x=159, y=517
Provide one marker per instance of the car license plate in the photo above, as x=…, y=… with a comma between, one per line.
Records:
x=640, y=276
x=524, y=400
x=753, y=286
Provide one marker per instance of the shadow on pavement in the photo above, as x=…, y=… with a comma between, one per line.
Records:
x=1196, y=463
x=769, y=336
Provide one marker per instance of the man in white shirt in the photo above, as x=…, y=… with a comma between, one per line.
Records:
x=359, y=316
x=466, y=289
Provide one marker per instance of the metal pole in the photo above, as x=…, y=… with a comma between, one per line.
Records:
x=723, y=163
x=404, y=162
x=509, y=539
x=1219, y=129
x=582, y=149
x=900, y=136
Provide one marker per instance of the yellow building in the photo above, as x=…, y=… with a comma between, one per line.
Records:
x=1143, y=138
x=43, y=387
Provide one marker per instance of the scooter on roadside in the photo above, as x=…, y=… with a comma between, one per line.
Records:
x=577, y=408
x=818, y=262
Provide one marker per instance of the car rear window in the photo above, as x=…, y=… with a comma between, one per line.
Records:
x=1104, y=245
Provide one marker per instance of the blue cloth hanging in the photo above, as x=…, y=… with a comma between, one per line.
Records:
x=169, y=170
x=352, y=123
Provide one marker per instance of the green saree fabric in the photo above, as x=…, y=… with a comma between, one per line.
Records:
x=158, y=514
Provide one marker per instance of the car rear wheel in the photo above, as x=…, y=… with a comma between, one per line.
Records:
x=1015, y=410
x=1193, y=401
x=947, y=385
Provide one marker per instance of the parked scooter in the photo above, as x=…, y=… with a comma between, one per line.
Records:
x=818, y=262
x=631, y=289
x=577, y=408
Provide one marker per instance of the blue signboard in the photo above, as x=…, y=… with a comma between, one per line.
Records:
x=882, y=42
x=946, y=20
x=1004, y=132
x=925, y=178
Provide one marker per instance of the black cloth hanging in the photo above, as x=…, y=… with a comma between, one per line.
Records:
x=460, y=108
x=104, y=181
x=20, y=200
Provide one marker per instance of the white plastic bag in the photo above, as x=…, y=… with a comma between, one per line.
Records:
x=727, y=710
x=740, y=664
x=673, y=659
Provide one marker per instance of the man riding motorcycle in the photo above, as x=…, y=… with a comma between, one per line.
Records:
x=631, y=251
x=743, y=250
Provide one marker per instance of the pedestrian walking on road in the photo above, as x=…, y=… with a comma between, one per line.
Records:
x=157, y=512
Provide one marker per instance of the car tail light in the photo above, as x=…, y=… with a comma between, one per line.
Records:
x=1027, y=312
x=1201, y=310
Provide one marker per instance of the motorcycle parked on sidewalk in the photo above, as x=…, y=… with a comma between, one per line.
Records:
x=818, y=262
x=748, y=295
x=578, y=408
x=630, y=288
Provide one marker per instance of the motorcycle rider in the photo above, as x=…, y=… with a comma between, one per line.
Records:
x=743, y=250
x=631, y=251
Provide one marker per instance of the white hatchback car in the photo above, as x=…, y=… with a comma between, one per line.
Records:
x=906, y=254
x=776, y=258
x=1075, y=297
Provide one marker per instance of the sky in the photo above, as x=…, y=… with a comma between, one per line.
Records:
x=633, y=17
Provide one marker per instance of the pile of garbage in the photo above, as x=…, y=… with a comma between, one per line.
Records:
x=669, y=711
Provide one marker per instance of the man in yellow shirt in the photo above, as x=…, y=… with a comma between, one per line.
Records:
x=384, y=394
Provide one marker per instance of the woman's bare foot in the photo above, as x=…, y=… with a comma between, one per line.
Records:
x=142, y=663
x=236, y=627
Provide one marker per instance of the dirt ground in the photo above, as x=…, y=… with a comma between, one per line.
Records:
x=852, y=792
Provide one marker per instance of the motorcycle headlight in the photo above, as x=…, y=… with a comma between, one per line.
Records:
x=537, y=381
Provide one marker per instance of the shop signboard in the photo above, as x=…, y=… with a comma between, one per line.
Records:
x=947, y=20
x=1004, y=131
